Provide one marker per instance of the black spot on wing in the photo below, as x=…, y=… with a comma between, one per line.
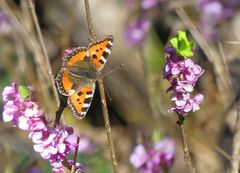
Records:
x=86, y=58
x=101, y=61
x=84, y=109
x=89, y=92
x=105, y=54
x=88, y=100
x=79, y=93
x=94, y=56
x=108, y=46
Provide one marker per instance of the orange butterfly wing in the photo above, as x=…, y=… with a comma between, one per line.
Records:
x=100, y=50
x=66, y=82
x=81, y=99
x=72, y=80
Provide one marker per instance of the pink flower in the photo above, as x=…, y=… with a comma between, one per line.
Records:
x=85, y=144
x=136, y=31
x=147, y=4
x=50, y=142
x=59, y=168
x=158, y=157
x=139, y=156
x=167, y=149
x=183, y=74
x=5, y=24
x=10, y=92
x=11, y=111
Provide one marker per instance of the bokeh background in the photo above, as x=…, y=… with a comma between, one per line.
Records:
x=137, y=101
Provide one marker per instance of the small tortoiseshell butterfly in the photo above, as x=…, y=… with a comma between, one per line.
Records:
x=80, y=69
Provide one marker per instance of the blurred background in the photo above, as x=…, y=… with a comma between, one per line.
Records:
x=138, y=103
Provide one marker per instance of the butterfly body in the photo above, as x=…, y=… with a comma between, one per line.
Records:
x=80, y=69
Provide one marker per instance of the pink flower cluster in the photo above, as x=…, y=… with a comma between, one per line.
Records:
x=51, y=143
x=213, y=12
x=155, y=158
x=183, y=74
x=138, y=28
x=144, y=4
x=59, y=168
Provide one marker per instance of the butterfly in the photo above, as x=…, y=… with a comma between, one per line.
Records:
x=80, y=70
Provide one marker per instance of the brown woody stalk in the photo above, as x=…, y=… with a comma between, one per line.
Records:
x=236, y=145
x=92, y=37
x=43, y=47
x=186, y=151
x=31, y=43
x=75, y=155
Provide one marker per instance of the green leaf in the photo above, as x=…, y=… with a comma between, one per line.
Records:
x=182, y=45
x=156, y=136
x=24, y=91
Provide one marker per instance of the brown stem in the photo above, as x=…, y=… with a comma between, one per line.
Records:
x=108, y=126
x=92, y=34
x=43, y=47
x=93, y=37
x=186, y=152
x=63, y=105
x=75, y=155
x=236, y=145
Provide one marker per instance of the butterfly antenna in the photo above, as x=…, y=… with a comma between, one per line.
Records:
x=108, y=95
x=113, y=70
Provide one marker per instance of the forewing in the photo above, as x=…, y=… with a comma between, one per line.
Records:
x=72, y=72
x=81, y=99
x=100, y=50
x=75, y=56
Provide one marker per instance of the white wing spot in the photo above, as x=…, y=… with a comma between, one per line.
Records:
x=107, y=50
x=71, y=91
x=86, y=105
x=103, y=59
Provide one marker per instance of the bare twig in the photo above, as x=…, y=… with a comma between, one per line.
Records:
x=92, y=37
x=236, y=146
x=32, y=44
x=108, y=127
x=63, y=105
x=92, y=34
x=75, y=155
x=43, y=47
x=21, y=54
x=187, y=156
x=211, y=146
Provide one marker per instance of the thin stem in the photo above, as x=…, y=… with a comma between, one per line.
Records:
x=108, y=126
x=63, y=105
x=43, y=47
x=93, y=37
x=236, y=145
x=186, y=151
x=75, y=155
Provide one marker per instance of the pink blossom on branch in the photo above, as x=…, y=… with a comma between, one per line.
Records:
x=183, y=74
x=51, y=143
x=155, y=158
